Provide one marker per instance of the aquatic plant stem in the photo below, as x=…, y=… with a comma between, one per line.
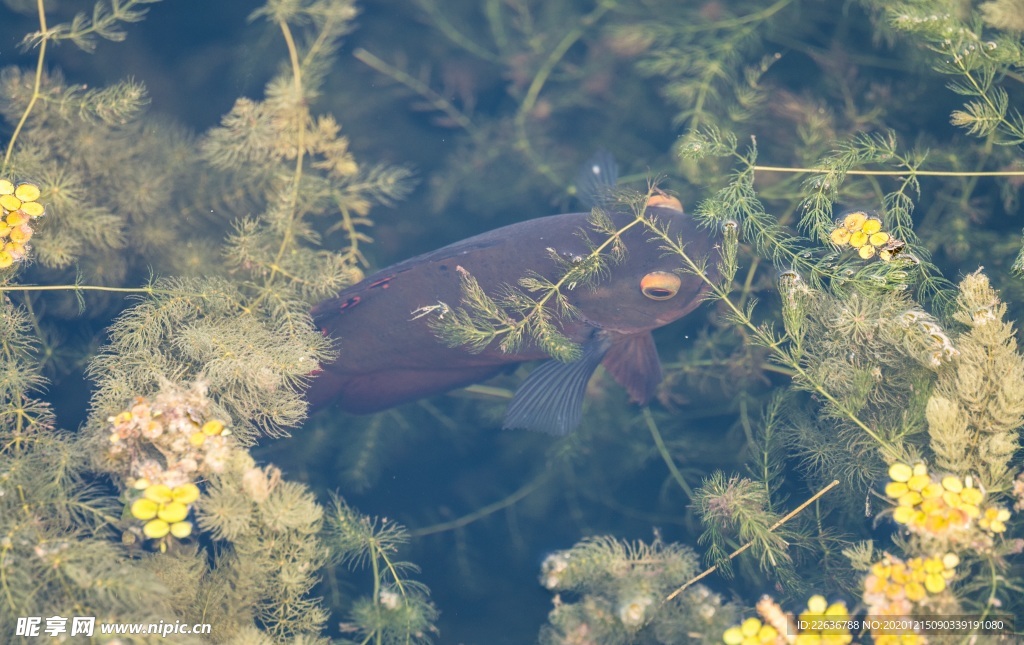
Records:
x=484, y=511
x=540, y=78
x=376, y=591
x=300, y=144
x=983, y=92
x=88, y=287
x=37, y=83
x=796, y=511
x=894, y=173
x=452, y=33
x=652, y=427
x=437, y=101
x=302, y=119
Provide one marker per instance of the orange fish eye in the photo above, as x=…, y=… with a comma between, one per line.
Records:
x=660, y=285
x=665, y=201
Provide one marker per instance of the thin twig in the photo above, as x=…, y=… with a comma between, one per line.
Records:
x=796, y=511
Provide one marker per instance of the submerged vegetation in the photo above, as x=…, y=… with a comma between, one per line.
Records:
x=840, y=435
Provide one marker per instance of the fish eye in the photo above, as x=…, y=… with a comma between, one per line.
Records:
x=660, y=285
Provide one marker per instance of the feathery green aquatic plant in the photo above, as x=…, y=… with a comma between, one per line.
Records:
x=181, y=360
x=840, y=355
x=621, y=588
x=977, y=408
x=399, y=609
x=58, y=554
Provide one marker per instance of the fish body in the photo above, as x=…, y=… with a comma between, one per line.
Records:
x=389, y=355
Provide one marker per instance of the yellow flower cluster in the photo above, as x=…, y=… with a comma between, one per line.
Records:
x=164, y=509
x=778, y=629
x=817, y=610
x=893, y=586
x=166, y=429
x=18, y=207
x=751, y=632
x=161, y=448
x=864, y=233
x=939, y=508
x=994, y=519
x=898, y=639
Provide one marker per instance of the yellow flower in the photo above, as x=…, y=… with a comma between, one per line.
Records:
x=144, y=509
x=17, y=208
x=27, y=192
x=156, y=529
x=936, y=507
x=841, y=236
x=164, y=510
x=34, y=210
x=934, y=583
x=903, y=514
x=971, y=496
x=17, y=218
x=863, y=233
x=952, y=483
x=817, y=607
x=855, y=221
x=994, y=519
x=932, y=490
x=910, y=499
x=21, y=234
x=900, y=472
x=879, y=239
x=16, y=250
x=186, y=493
x=918, y=482
x=750, y=626
x=172, y=512
x=750, y=632
x=896, y=489
x=10, y=202
x=160, y=493
x=891, y=582
x=915, y=591
x=181, y=530
x=213, y=427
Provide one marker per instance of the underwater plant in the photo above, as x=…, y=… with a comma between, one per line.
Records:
x=837, y=432
x=193, y=372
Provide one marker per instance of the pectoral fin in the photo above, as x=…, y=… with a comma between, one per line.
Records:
x=551, y=398
x=633, y=363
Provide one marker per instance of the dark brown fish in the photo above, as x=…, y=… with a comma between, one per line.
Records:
x=389, y=356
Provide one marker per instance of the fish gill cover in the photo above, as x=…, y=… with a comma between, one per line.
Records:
x=837, y=431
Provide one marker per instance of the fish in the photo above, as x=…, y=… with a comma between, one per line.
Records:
x=390, y=355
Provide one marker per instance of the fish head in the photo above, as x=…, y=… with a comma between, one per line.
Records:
x=652, y=286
